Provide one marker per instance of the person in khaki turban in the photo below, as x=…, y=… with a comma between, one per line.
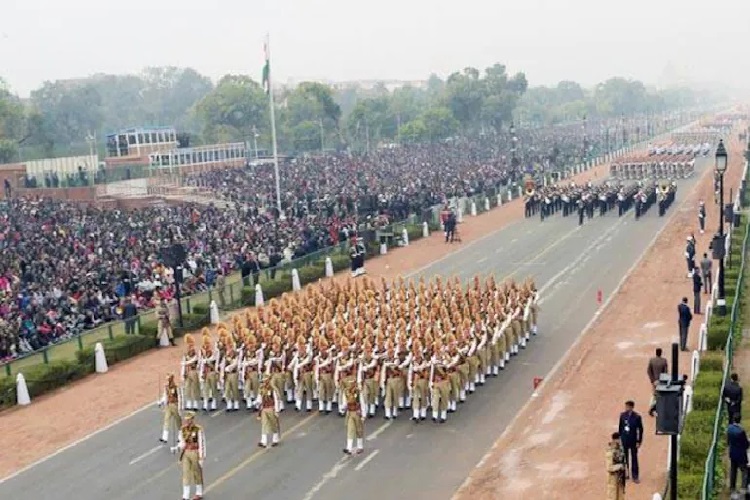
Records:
x=192, y=446
x=324, y=368
x=355, y=417
x=189, y=372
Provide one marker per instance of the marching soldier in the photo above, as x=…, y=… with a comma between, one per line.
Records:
x=439, y=384
x=274, y=370
x=389, y=381
x=303, y=376
x=419, y=383
x=230, y=377
x=345, y=373
x=192, y=446
x=268, y=402
x=324, y=368
x=367, y=378
x=615, y=463
x=252, y=362
x=355, y=417
x=209, y=361
x=189, y=374
x=170, y=401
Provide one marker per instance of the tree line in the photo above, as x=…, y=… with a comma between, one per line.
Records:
x=58, y=118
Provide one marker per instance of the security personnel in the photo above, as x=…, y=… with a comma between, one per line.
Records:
x=631, y=437
x=170, y=401
x=616, y=469
x=581, y=211
x=355, y=417
x=733, y=398
x=268, y=414
x=192, y=446
x=702, y=216
x=190, y=378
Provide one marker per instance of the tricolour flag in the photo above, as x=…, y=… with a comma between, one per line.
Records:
x=267, y=70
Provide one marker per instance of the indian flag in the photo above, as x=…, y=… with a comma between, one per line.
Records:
x=267, y=69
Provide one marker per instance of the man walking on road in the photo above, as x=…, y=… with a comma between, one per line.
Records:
x=631, y=435
x=684, y=319
x=702, y=216
x=656, y=366
x=738, y=446
x=706, y=266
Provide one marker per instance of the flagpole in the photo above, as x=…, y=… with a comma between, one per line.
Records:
x=273, y=131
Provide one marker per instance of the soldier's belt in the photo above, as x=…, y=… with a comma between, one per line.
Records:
x=191, y=447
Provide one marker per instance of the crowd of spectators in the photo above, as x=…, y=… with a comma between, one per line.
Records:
x=65, y=269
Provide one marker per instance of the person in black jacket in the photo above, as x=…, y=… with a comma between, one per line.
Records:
x=631, y=435
x=685, y=317
x=697, y=288
x=732, y=396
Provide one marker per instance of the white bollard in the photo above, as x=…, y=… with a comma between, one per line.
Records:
x=695, y=366
x=520, y=191
x=687, y=401
x=499, y=199
x=258, y=295
x=486, y=204
x=510, y=195
x=22, y=392
x=425, y=230
x=657, y=496
x=460, y=213
x=383, y=249
x=473, y=208
x=329, y=267
x=100, y=360
x=214, y=312
x=296, y=287
x=405, y=237
x=703, y=338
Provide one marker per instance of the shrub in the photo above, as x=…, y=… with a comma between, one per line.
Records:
x=117, y=349
x=201, y=309
x=718, y=330
x=44, y=378
x=311, y=274
x=711, y=361
x=7, y=392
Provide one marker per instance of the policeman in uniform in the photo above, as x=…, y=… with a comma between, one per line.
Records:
x=355, y=417
x=190, y=377
x=702, y=216
x=268, y=416
x=192, y=446
x=230, y=373
x=209, y=374
x=615, y=464
x=170, y=401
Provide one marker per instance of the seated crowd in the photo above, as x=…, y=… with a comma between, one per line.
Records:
x=65, y=269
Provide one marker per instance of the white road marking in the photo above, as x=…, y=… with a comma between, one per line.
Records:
x=217, y=413
x=331, y=474
x=76, y=442
x=141, y=457
x=366, y=460
x=481, y=260
x=377, y=432
x=550, y=376
x=514, y=240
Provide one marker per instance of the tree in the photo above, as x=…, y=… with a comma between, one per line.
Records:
x=231, y=110
x=439, y=123
x=414, y=131
x=306, y=136
x=465, y=94
x=172, y=91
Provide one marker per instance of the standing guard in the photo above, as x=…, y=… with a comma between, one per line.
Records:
x=192, y=446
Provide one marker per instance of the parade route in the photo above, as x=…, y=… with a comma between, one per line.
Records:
x=401, y=459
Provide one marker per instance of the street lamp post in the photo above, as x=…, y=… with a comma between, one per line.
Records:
x=719, y=242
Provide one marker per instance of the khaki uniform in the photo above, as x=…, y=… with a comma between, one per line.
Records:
x=615, y=464
x=368, y=369
x=304, y=383
x=251, y=380
x=269, y=418
x=191, y=380
x=210, y=381
x=441, y=390
x=324, y=375
x=420, y=392
x=231, y=382
x=171, y=401
x=355, y=429
x=193, y=446
x=165, y=324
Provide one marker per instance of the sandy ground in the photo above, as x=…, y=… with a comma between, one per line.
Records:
x=557, y=442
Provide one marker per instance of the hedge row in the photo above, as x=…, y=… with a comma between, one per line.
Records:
x=43, y=378
x=697, y=433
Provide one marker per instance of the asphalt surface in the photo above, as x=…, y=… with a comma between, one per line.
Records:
x=401, y=459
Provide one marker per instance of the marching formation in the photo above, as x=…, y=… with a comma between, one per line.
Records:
x=587, y=200
x=356, y=348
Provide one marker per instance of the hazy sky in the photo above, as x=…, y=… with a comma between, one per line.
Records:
x=550, y=40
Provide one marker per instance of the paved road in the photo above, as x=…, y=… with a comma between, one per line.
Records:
x=402, y=459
